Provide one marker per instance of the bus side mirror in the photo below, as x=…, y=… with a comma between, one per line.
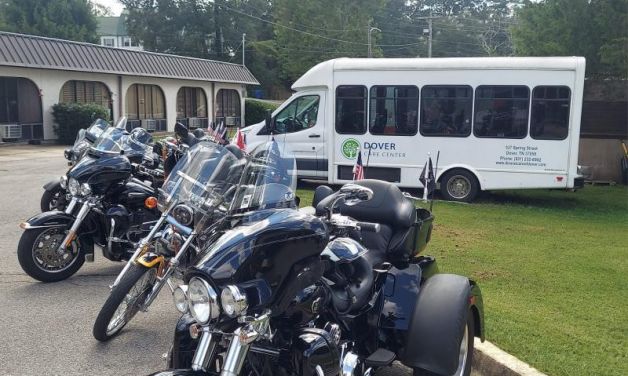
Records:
x=269, y=122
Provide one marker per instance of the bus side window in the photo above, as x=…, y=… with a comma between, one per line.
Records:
x=394, y=110
x=501, y=111
x=550, y=112
x=446, y=110
x=351, y=109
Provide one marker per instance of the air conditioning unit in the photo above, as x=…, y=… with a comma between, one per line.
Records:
x=194, y=122
x=11, y=131
x=230, y=121
x=149, y=124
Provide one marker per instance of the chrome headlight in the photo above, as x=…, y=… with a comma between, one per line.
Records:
x=202, y=300
x=85, y=189
x=63, y=182
x=183, y=214
x=234, y=301
x=180, y=298
x=74, y=187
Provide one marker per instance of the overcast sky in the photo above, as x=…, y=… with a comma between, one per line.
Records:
x=115, y=6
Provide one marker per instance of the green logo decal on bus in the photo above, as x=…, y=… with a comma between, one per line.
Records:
x=350, y=148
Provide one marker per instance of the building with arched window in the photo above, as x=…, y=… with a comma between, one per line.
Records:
x=152, y=90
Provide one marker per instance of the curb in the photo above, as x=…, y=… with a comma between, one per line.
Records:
x=490, y=360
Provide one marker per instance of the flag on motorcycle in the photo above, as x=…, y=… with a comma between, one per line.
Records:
x=241, y=140
x=358, y=169
x=427, y=178
x=223, y=132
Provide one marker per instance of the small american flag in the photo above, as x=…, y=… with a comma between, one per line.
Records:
x=240, y=140
x=358, y=169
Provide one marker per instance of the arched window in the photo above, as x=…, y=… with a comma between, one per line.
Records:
x=20, y=109
x=228, y=107
x=146, y=107
x=85, y=92
x=192, y=107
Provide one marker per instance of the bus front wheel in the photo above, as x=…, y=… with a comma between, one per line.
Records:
x=459, y=185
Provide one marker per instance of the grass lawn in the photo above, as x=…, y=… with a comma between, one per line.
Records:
x=553, y=268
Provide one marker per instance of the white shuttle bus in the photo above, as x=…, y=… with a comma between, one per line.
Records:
x=498, y=123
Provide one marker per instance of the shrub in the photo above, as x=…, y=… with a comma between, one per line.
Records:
x=255, y=110
x=71, y=117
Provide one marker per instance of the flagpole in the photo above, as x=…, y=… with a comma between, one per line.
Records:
x=426, y=174
x=368, y=158
x=435, y=174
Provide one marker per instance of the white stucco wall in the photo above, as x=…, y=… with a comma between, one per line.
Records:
x=49, y=82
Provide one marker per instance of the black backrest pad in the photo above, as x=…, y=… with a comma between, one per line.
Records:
x=388, y=206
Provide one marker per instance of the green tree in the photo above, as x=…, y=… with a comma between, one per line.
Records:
x=309, y=32
x=595, y=29
x=66, y=19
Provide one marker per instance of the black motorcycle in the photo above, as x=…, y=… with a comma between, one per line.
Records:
x=55, y=196
x=201, y=174
x=107, y=209
x=339, y=289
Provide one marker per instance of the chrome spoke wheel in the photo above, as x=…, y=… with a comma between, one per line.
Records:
x=459, y=186
x=47, y=253
x=131, y=303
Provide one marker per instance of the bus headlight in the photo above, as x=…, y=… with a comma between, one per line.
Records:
x=202, y=301
x=234, y=301
x=74, y=187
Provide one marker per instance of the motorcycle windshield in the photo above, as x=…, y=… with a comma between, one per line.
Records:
x=113, y=140
x=95, y=130
x=269, y=179
x=204, y=178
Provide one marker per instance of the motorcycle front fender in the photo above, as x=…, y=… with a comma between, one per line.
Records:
x=52, y=185
x=53, y=218
x=56, y=218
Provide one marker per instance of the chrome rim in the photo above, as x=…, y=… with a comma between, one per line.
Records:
x=459, y=187
x=464, y=353
x=47, y=253
x=131, y=302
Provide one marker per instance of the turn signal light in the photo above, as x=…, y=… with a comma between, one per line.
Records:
x=150, y=202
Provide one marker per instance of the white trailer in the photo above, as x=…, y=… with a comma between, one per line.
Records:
x=498, y=123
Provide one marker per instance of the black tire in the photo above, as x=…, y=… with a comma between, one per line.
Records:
x=26, y=255
x=470, y=328
x=459, y=185
x=118, y=294
x=53, y=199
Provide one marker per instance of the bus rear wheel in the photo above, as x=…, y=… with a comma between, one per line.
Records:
x=459, y=185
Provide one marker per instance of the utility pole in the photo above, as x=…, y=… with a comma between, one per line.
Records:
x=370, y=39
x=243, y=48
x=430, y=31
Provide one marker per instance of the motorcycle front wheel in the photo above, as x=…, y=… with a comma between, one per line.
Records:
x=124, y=302
x=39, y=256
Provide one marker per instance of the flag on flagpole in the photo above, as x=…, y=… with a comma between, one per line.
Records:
x=427, y=178
x=241, y=140
x=358, y=169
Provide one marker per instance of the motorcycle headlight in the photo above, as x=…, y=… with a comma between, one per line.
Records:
x=85, y=189
x=64, y=182
x=234, y=301
x=183, y=214
x=74, y=186
x=180, y=298
x=202, y=301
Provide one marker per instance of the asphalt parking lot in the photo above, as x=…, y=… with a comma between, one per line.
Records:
x=46, y=329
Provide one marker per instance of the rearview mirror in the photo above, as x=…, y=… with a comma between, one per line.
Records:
x=268, y=123
x=180, y=130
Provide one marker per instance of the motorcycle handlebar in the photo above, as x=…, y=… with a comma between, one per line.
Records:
x=368, y=226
